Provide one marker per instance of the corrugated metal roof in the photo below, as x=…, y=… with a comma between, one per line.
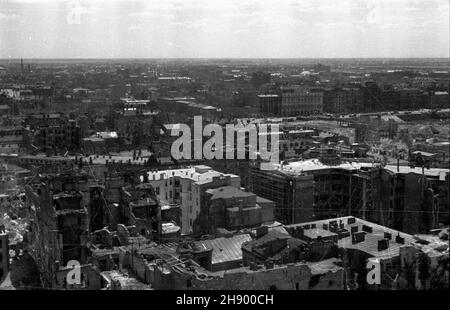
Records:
x=226, y=249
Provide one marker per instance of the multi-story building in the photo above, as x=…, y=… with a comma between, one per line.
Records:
x=315, y=189
x=335, y=101
x=269, y=104
x=187, y=187
x=390, y=195
x=298, y=101
x=58, y=230
x=414, y=199
x=11, y=139
x=293, y=194
x=232, y=208
x=53, y=132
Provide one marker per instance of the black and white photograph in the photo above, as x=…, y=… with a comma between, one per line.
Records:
x=224, y=150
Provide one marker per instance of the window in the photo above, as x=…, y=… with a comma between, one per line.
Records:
x=157, y=190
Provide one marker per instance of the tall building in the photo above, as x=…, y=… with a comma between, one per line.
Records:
x=317, y=189
x=293, y=194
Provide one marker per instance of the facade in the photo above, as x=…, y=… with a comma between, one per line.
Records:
x=59, y=228
x=315, y=188
x=407, y=192
x=11, y=139
x=293, y=194
x=54, y=132
x=296, y=101
x=269, y=104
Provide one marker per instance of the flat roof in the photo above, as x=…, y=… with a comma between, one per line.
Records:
x=187, y=173
x=435, y=172
x=370, y=244
x=314, y=233
x=228, y=192
x=316, y=164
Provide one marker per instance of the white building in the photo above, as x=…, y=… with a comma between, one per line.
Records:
x=187, y=187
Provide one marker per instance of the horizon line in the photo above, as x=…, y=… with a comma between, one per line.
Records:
x=220, y=58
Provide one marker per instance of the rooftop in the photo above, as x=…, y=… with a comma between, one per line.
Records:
x=126, y=282
x=324, y=266
x=198, y=174
x=314, y=233
x=432, y=172
x=226, y=249
x=316, y=164
x=370, y=243
x=228, y=192
x=169, y=228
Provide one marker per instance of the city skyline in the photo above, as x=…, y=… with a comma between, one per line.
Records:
x=223, y=29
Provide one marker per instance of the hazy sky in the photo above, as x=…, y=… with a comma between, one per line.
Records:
x=223, y=28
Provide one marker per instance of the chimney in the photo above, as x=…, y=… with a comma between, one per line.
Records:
x=399, y=239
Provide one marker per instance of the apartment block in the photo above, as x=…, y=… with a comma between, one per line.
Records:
x=187, y=187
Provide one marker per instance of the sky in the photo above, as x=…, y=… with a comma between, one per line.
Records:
x=224, y=28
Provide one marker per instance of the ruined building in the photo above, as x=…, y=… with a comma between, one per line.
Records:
x=69, y=212
x=4, y=254
x=58, y=230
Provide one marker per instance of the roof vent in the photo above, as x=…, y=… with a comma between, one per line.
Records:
x=367, y=229
x=351, y=220
x=358, y=237
x=383, y=244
